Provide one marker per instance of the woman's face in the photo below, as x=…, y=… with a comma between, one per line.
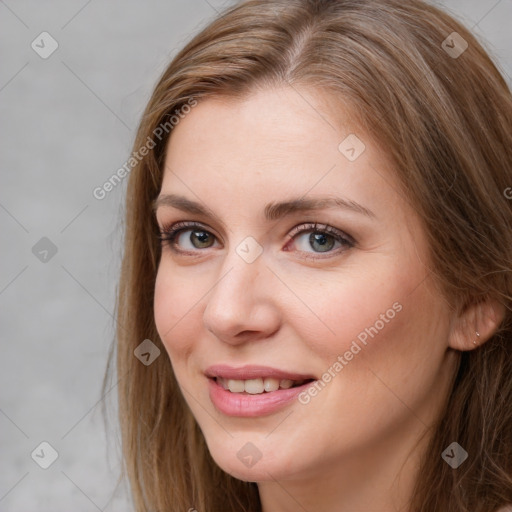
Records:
x=252, y=295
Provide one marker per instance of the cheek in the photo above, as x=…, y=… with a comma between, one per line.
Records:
x=350, y=307
x=390, y=341
x=173, y=309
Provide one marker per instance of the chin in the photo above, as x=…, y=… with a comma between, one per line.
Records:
x=252, y=461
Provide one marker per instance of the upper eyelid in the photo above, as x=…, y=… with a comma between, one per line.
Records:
x=185, y=225
x=320, y=226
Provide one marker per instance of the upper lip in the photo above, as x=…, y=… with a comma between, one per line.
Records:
x=252, y=372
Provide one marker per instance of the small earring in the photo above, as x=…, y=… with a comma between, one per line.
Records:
x=478, y=335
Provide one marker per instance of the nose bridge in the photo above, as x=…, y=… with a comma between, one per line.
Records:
x=239, y=299
x=236, y=277
x=236, y=284
x=241, y=267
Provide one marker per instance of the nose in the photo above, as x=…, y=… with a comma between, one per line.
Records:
x=240, y=307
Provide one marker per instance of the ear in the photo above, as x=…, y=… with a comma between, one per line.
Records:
x=476, y=323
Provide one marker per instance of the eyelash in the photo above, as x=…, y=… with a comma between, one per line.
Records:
x=168, y=235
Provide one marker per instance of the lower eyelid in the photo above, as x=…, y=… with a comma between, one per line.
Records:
x=342, y=242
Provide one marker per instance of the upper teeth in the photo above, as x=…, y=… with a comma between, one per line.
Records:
x=255, y=386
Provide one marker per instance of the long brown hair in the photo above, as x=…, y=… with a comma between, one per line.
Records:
x=444, y=114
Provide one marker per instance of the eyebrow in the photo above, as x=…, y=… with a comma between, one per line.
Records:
x=273, y=211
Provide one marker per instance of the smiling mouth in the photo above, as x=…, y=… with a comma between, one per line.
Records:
x=259, y=385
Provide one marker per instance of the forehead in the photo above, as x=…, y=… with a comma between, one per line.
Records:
x=277, y=132
x=264, y=122
x=274, y=144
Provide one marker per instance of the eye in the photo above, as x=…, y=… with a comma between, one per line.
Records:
x=198, y=238
x=321, y=238
x=186, y=237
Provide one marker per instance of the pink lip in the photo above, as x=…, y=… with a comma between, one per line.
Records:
x=245, y=404
x=252, y=372
x=249, y=406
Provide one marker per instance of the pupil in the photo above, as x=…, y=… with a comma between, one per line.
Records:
x=202, y=236
x=322, y=239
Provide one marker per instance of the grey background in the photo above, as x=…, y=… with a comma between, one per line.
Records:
x=67, y=124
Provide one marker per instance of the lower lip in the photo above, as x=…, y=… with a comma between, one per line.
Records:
x=250, y=406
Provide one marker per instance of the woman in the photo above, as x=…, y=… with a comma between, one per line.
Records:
x=314, y=307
